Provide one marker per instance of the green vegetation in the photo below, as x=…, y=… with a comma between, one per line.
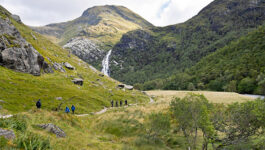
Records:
x=20, y=91
x=144, y=56
x=191, y=121
x=238, y=67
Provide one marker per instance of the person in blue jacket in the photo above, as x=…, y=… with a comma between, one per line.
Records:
x=38, y=104
x=67, y=110
x=73, y=109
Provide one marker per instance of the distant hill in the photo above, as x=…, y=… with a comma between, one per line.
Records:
x=95, y=32
x=159, y=52
x=33, y=68
x=238, y=67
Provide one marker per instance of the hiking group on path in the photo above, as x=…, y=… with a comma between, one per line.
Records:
x=67, y=109
x=117, y=103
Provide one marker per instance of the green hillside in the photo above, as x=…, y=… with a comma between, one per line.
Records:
x=19, y=91
x=145, y=55
x=238, y=67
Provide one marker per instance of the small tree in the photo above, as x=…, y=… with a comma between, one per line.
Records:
x=191, y=114
x=158, y=126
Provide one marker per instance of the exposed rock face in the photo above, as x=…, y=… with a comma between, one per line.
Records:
x=53, y=129
x=47, y=68
x=8, y=134
x=16, y=53
x=16, y=18
x=69, y=66
x=78, y=81
x=58, y=67
x=85, y=49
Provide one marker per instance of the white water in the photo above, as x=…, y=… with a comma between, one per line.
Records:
x=105, y=64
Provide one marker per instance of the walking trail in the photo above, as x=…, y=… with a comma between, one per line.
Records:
x=82, y=115
x=5, y=116
x=105, y=109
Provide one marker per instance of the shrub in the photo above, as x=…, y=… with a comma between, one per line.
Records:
x=31, y=141
x=18, y=122
x=3, y=142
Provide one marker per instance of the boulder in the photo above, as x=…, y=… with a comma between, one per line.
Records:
x=58, y=67
x=47, y=68
x=128, y=87
x=8, y=134
x=78, y=81
x=58, y=98
x=121, y=86
x=16, y=53
x=16, y=18
x=69, y=66
x=1, y=101
x=53, y=129
x=101, y=75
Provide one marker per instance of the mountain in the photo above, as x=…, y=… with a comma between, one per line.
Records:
x=95, y=32
x=237, y=67
x=159, y=52
x=33, y=68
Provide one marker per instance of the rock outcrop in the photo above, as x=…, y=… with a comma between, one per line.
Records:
x=58, y=67
x=69, y=66
x=78, y=81
x=16, y=18
x=8, y=134
x=85, y=49
x=16, y=53
x=53, y=129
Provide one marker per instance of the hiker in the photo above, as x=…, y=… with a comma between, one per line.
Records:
x=121, y=103
x=117, y=104
x=67, y=110
x=73, y=109
x=126, y=103
x=111, y=103
x=38, y=104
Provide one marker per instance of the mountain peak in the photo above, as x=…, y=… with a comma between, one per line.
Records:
x=96, y=10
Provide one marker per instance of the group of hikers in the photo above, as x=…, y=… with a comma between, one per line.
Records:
x=67, y=110
x=117, y=103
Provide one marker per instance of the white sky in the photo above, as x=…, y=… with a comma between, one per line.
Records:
x=158, y=12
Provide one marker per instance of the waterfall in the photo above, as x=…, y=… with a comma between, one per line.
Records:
x=105, y=64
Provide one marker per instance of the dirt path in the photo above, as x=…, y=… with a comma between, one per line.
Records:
x=5, y=116
x=105, y=109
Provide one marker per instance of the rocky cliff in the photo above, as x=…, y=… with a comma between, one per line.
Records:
x=16, y=53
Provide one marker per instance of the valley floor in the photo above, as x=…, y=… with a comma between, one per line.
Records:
x=115, y=128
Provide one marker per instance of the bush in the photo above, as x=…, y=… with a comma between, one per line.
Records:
x=17, y=122
x=121, y=126
x=31, y=141
x=3, y=142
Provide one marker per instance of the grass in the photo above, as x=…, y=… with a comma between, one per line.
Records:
x=214, y=97
x=118, y=128
x=20, y=91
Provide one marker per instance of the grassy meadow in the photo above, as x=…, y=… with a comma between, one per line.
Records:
x=124, y=128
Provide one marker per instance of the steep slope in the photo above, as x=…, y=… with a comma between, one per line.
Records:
x=238, y=67
x=144, y=55
x=102, y=26
x=20, y=90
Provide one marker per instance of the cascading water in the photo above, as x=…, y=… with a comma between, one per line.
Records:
x=105, y=64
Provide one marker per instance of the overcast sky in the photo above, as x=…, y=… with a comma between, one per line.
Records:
x=158, y=12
